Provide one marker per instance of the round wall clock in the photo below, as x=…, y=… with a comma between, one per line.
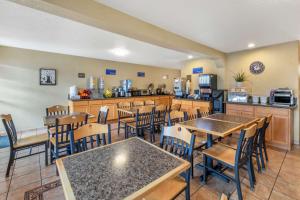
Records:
x=257, y=67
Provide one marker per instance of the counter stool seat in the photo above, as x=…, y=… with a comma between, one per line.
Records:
x=169, y=189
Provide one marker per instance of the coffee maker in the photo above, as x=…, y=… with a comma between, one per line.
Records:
x=207, y=83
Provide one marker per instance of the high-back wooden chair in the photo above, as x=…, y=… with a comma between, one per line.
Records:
x=204, y=111
x=180, y=142
x=159, y=118
x=263, y=136
x=79, y=137
x=21, y=144
x=138, y=103
x=256, y=148
x=192, y=114
x=149, y=103
x=123, y=117
x=175, y=107
x=233, y=159
x=57, y=110
x=143, y=121
x=175, y=117
x=102, y=115
x=60, y=134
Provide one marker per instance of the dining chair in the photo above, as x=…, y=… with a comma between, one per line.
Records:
x=79, y=137
x=178, y=141
x=123, y=117
x=143, y=121
x=60, y=139
x=204, y=111
x=175, y=107
x=149, y=103
x=102, y=115
x=192, y=114
x=232, y=159
x=138, y=103
x=159, y=118
x=175, y=117
x=17, y=145
x=57, y=110
x=262, y=139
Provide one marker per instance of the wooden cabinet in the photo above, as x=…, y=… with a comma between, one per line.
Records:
x=280, y=131
x=93, y=106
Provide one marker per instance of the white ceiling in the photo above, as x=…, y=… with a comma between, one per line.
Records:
x=27, y=28
x=227, y=25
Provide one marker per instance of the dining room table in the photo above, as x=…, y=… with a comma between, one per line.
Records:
x=49, y=121
x=220, y=125
x=128, y=169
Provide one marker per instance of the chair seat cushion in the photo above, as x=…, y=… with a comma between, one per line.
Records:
x=221, y=153
x=167, y=190
x=126, y=120
x=32, y=140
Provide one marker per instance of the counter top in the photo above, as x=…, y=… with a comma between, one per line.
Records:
x=264, y=105
x=112, y=98
x=185, y=99
x=117, y=171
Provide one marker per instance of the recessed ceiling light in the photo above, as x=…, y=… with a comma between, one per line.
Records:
x=251, y=45
x=190, y=56
x=119, y=52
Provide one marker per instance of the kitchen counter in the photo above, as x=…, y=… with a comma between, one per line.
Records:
x=112, y=98
x=186, y=99
x=264, y=105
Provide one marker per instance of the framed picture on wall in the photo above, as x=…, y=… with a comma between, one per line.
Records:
x=47, y=76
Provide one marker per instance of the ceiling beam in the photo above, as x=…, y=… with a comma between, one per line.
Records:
x=98, y=15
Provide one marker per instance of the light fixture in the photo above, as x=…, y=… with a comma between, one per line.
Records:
x=190, y=56
x=251, y=45
x=121, y=52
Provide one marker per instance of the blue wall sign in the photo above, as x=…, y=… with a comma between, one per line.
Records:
x=110, y=72
x=141, y=74
x=197, y=70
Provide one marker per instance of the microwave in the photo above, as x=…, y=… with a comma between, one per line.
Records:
x=282, y=97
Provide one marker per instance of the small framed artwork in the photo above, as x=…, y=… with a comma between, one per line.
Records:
x=141, y=74
x=47, y=76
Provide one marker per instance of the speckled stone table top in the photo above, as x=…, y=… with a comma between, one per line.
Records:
x=214, y=127
x=119, y=170
x=232, y=118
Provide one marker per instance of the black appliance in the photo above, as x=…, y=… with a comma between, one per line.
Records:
x=218, y=101
x=207, y=84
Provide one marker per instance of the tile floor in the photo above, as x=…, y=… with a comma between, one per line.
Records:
x=280, y=180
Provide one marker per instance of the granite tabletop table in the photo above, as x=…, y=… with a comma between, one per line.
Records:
x=213, y=127
x=50, y=120
x=123, y=170
x=233, y=118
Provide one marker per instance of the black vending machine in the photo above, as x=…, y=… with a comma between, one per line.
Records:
x=207, y=84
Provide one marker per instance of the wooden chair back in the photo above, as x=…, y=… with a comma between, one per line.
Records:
x=138, y=103
x=102, y=115
x=64, y=125
x=149, y=103
x=175, y=117
x=178, y=141
x=245, y=144
x=125, y=105
x=10, y=129
x=79, y=137
x=204, y=111
x=160, y=112
x=175, y=107
x=192, y=114
x=57, y=110
x=144, y=116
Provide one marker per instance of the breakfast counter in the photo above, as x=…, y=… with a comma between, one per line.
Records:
x=280, y=133
x=263, y=105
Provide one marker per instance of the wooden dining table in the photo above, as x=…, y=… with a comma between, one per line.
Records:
x=50, y=120
x=220, y=125
x=129, y=169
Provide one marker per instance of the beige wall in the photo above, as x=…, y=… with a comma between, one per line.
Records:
x=209, y=67
x=23, y=97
